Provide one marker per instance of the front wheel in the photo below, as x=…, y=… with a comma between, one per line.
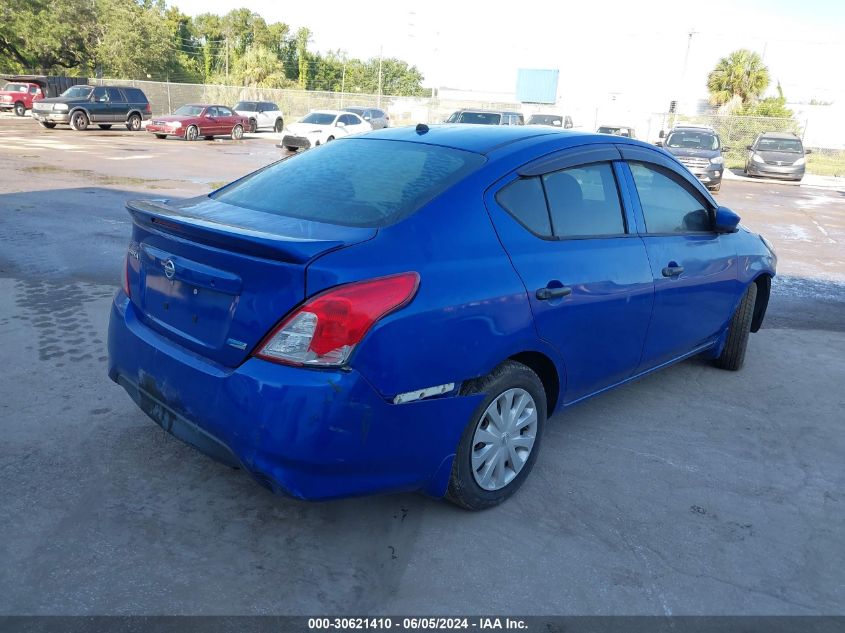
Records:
x=237, y=132
x=500, y=443
x=161, y=135
x=133, y=123
x=279, y=126
x=20, y=109
x=715, y=188
x=192, y=133
x=733, y=355
x=79, y=121
x=47, y=124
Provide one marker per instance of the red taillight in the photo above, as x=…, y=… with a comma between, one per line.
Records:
x=327, y=327
x=126, y=276
x=148, y=109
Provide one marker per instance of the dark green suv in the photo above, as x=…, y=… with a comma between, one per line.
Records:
x=80, y=106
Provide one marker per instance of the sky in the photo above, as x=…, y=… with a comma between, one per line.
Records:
x=607, y=49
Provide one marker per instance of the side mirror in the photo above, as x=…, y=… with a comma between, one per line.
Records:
x=749, y=147
x=808, y=151
x=659, y=143
x=726, y=149
x=340, y=124
x=726, y=220
x=556, y=122
x=367, y=117
x=662, y=134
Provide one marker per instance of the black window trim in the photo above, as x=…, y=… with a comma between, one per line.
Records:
x=681, y=181
x=562, y=238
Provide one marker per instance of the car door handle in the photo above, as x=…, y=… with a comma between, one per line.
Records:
x=544, y=294
x=672, y=271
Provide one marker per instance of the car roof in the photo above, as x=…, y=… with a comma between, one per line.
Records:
x=614, y=125
x=693, y=127
x=335, y=112
x=788, y=135
x=481, y=139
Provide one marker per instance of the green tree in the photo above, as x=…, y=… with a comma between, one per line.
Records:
x=260, y=67
x=302, y=37
x=741, y=76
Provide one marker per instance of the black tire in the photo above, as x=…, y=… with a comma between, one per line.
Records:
x=208, y=138
x=463, y=489
x=48, y=124
x=253, y=126
x=79, y=121
x=716, y=188
x=237, y=132
x=331, y=138
x=104, y=126
x=133, y=123
x=161, y=135
x=279, y=126
x=192, y=133
x=20, y=108
x=290, y=148
x=733, y=355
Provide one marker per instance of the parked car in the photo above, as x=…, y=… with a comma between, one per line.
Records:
x=486, y=117
x=320, y=127
x=261, y=115
x=105, y=106
x=374, y=116
x=697, y=148
x=19, y=96
x=553, y=120
x=778, y=155
x=193, y=121
x=404, y=310
x=617, y=130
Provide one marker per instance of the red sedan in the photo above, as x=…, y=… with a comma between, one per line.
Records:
x=193, y=121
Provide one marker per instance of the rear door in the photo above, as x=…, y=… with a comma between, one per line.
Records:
x=228, y=119
x=693, y=267
x=568, y=231
x=117, y=106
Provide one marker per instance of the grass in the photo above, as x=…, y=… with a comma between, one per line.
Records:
x=826, y=163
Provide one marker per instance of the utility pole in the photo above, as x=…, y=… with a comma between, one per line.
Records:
x=380, y=55
x=684, y=72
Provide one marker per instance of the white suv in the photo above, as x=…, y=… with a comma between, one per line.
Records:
x=262, y=115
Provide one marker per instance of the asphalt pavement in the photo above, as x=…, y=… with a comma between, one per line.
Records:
x=692, y=491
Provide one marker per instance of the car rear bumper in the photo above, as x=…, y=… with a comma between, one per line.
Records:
x=290, y=140
x=51, y=117
x=787, y=172
x=311, y=434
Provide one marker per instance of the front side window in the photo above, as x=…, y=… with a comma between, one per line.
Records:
x=584, y=201
x=114, y=95
x=224, y=111
x=100, y=94
x=668, y=204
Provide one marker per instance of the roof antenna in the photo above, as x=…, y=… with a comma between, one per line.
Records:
x=421, y=128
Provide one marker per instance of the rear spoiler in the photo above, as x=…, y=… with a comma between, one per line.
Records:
x=298, y=242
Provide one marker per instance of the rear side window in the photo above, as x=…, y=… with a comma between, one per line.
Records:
x=584, y=201
x=115, y=95
x=524, y=200
x=353, y=181
x=668, y=204
x=135, y=95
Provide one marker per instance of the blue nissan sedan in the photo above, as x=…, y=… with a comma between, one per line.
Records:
x=404, y=310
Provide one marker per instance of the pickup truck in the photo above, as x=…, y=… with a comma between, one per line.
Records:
x=19, y=96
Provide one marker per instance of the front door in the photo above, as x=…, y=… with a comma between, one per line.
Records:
x=587, y=275
x=694, y=268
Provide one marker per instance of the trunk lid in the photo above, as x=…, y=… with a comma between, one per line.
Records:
x=215, y=278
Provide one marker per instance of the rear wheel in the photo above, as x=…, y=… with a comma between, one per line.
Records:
x=500, y=443
x=237, y=132
x=279, y=126
x=133, y=123
x=253, y=126
x=20, y=109
x=192, y=133
x=208, y=138
x=331, y=138
x=47, y=124
x=715, y=188
x=79, y=121
x=104, y=126
x=161, y=135
x=290, y=148
x=733, y=355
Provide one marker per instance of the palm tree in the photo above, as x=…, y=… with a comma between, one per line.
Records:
x=741, y=75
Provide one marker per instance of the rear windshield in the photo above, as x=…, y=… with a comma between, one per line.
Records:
x=353, y=182
x=483, y=118
x=135, y=95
